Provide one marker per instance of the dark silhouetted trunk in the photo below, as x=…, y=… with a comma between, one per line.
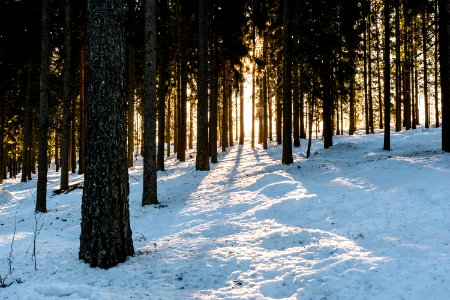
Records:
x=65, y=126
x=387, y=77
x=41, y=191
x=202, y=159
x=106, y=238
x=444, y=32
x=149, y=194
x=398, y=70
x=287, y=85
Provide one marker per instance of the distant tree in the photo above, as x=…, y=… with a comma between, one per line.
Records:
x=105, y=237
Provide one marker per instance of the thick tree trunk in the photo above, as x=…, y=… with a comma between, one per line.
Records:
x=202, y=159
x=106, y=237
x=436, y=71
x=444, y=32
x=41, y=191
x=2, y=136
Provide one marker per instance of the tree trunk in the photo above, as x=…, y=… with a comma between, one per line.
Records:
x=366, y=100
x=436, y=72
x=407, y=74
x=214, y=74
x=41, y=191
x=149, y=195
x=131, y=82
x=253, y=86
x=264, y=94
x=302, y=107
x=83, y=111
x=444, y=23
x=105, y=238
x=296, y=108
x=327, y=105
x=66, y=98
x=369, y=77
x=425, y=70
x=380, y=99
x=398, y=72
x=57, y=145
x=224, y=131
x=387, y=77
x=27, y=125
x=287, y=85
x=279, y=105
x=241, y=108
x=182, y=113
x=168, y=125
x=230, y=113
x=202, y=159
x=352, y=126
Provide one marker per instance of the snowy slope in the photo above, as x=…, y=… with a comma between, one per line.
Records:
x=351, y=222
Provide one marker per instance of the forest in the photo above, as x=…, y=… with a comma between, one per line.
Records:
x=157, y=130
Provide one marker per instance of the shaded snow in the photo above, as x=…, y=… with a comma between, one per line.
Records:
x=351, y=222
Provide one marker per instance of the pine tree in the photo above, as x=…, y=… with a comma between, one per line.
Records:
x=106, y=237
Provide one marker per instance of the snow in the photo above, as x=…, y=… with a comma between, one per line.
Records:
x=350, y=222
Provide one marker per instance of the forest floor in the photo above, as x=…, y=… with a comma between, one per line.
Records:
x=350, y=222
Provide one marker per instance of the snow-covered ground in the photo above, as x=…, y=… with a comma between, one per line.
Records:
x=351, y=222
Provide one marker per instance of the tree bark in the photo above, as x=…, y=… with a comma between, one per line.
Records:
x=387, y=77
x=27, y=125
x=398, y=71
x=66, y=98
x=444, y=32
x=202, y=159
x=287, y=85
x=425, y=70
x=149, y=194
x=241, y=108
x=106, y=237
x=41, y=191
